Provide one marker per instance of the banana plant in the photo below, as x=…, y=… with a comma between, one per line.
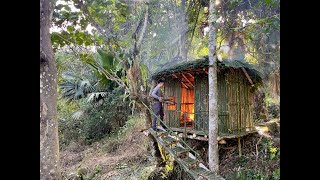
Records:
x=94, y=88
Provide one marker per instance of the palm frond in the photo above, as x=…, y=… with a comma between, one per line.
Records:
x=75, y=87
x=86, y=86
x=96, y=96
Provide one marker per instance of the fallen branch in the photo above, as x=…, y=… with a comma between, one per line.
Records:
x=257, y=152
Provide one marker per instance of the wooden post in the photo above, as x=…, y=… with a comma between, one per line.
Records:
x=239, y=146
x=185, y=125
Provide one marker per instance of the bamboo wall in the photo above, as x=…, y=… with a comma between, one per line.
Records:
x=239, y=102
x=234, y=101
x=201, y=102
x=171, y=117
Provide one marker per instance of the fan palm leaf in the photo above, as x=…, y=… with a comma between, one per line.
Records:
x=75, y=87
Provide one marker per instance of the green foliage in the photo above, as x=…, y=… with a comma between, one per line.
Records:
x=175, y=171
x=273, y=105
x=100, y=105
x=273, y=110
x=64, y=109
x=97, y=122
x=144, y=73
x=74, y=87
x=276, y=174
x=251, y=59
x=67, y=20
x=272, y=151
x=106, y=61
x=68, y=128
x=202, y=51
x=96, y=125
x=106, y=118
x=249, y=174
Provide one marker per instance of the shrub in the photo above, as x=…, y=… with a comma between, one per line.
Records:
x=274, y=110
x=96, y=121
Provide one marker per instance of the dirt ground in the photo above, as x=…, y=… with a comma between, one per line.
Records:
x=110, y=158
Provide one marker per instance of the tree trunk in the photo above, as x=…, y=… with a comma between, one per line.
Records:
x=138, y=92
x=213, y=93
x=49, y=143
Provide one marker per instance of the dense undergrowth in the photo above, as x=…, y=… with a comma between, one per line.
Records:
x=93, y=123
x=127, y=154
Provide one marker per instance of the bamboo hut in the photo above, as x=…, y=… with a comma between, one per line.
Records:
x=187, y=85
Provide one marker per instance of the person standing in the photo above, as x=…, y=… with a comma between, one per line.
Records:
x=157, y=105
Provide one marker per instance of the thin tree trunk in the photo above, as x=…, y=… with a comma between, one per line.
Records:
x=194, y=27
x=213, y=94
x=49, y=143
x=183, y=31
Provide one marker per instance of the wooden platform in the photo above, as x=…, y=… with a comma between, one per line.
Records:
x=202, y=136
x=189, y=131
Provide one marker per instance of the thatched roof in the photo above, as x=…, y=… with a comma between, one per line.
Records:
x=254, y=74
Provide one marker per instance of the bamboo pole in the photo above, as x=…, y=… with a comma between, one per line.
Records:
x=245, y=72
x=229, y=99
x=179, y=92
x=233, y=100
x=187, y=80
x=190, y=75
x=184, y=85
x=239, y=146
x=204, y=86
x=241, y=101
x=226, y=105
x=221, y=103
x=195, y=105
x=238, y=102
x=246, y=104
x=185, y=127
